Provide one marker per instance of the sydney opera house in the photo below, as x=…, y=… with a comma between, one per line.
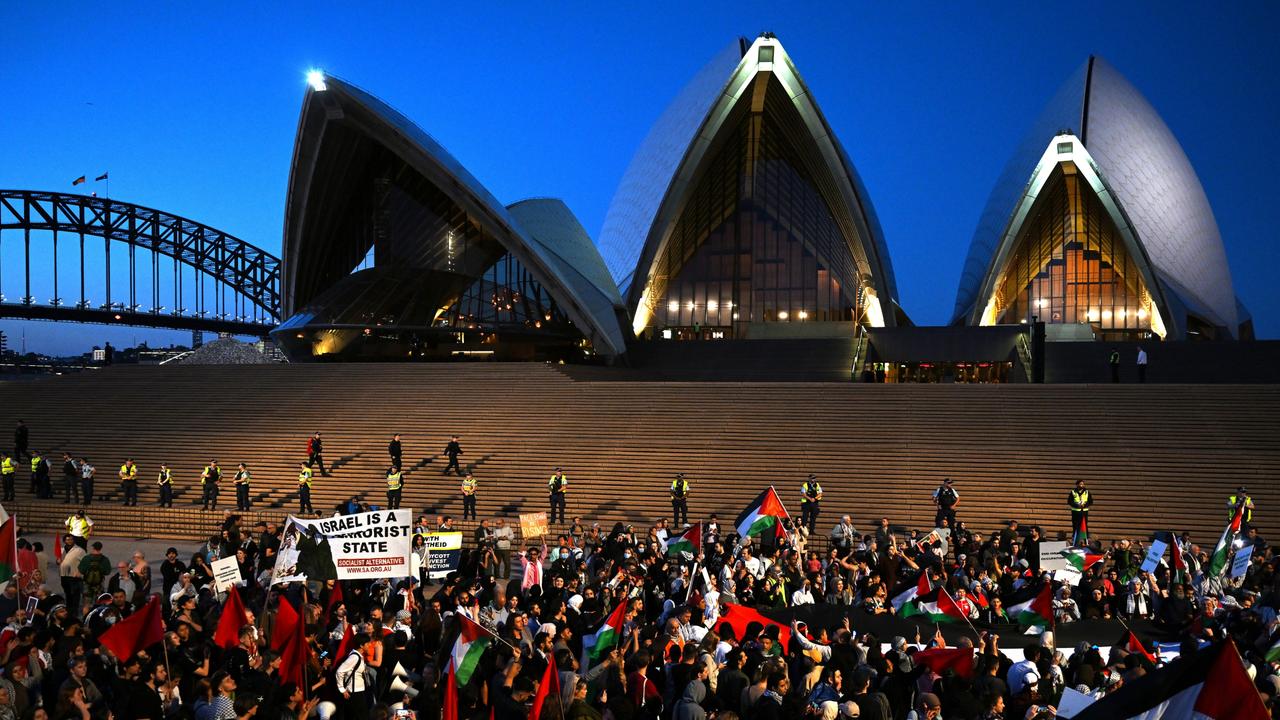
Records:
x=743, y=220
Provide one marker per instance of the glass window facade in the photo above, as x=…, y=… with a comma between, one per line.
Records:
x=757, y=240
x=1070, y=265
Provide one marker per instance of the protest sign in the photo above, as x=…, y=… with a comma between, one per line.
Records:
x=226, y=572
x=1051, y=557
x=443, y=553
x=533, y=525
x=1240, y=565
x=345, y=547
x=1153, y=555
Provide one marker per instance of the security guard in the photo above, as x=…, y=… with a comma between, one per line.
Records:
x=679, y=501
x=129, y=482
x=164, y=479
x=469, y=496
x=39, y=474
x=79, y=527
x=395, y=486
x=556, y=488
x=209, y=480
x=242, y=479
x=1241, y=500
x=945, y=498
x=1079, y=501
x=304, y=489
x=810, y=502
x=70, y=479
x=9, y=472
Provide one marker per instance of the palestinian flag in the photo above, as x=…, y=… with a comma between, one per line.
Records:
x=1221, y=560
x=471, y=644
x=1036, y=610
x=608, y=636
x=1082, y=535
x=1179, y=561
x=1082, y=559
x=8, y=549
x=1134, y=646
x=937, y=605
x=763, y=515
x=1273, y=654
x=690, y=541
x=907, y=592
x=1209, y=685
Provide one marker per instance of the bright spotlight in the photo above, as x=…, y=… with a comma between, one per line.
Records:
x=315, y=78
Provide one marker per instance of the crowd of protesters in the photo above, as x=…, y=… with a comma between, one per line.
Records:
x=379, y=648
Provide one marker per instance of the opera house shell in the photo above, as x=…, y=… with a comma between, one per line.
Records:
x=1099, y=227
x=392, y=250
x=741, y=216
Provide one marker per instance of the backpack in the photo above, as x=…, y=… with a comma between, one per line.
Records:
x=93, y=575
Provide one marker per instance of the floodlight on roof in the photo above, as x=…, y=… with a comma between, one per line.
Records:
x=315, y=78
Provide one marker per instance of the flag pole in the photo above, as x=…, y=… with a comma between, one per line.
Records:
x=967, y=621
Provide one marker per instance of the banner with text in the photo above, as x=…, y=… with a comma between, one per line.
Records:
x=226, y=572
x=442, y=552
x=346, y=547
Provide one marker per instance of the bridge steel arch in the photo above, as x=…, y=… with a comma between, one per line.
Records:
x=251, y=273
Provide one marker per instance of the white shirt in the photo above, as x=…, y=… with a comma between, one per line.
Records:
x=802, y=597
x=350, y=674
x=1018, y=673
x=1142, y=357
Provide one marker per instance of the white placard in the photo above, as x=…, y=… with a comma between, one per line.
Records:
x=1153, y=555
x=360, y=546
x=1051, y=558
x=226, y=572
x=1072, y=702
x=1068, y=575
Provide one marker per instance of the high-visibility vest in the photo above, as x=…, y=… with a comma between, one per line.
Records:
x=469, y=486
x=304, y=477
x=1078, y=500
x=7, y=467
x=243, y=477
x=128, y=472
x=679, y=488
x=1248, y=511
x=78, y=526
x=164, y=477
x=557, y=484
x=35, y=463
x=810, y=492
x=211, y=474
x=394, y=481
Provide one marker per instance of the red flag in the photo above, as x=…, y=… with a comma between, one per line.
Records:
x=335, y=598
x=450, y=696
x=138, y=631
x=233, y=618
x=939, y=659
x=286, y=620
x=293, y=658
x=344, y=644
x=550, y=684
x=740, y=616
x=9, y=549
x=57, y=547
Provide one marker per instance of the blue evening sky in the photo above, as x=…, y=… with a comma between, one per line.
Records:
x=192, y=108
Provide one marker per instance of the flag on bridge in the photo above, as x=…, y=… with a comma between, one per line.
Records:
x=763, y=515
x=100, y=178
x=78, y=181
x=1209, y=685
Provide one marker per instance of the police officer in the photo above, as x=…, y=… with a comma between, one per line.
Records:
x=810, y=502
x=1241, y=500
x=209, y=480
x=452, y=451
x=9, y=474
x=87, y=473
x=394, y=450
x=20, y=437
x=395, y=486
x=164, y=479
x=556, y=488
x=129, y=482
x=70, y=479
x=39, y=474
x=304, y=488
x=242, y=479
x=469, y=496
x=945, y=498
x=1079, y=501
x=679, y=500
